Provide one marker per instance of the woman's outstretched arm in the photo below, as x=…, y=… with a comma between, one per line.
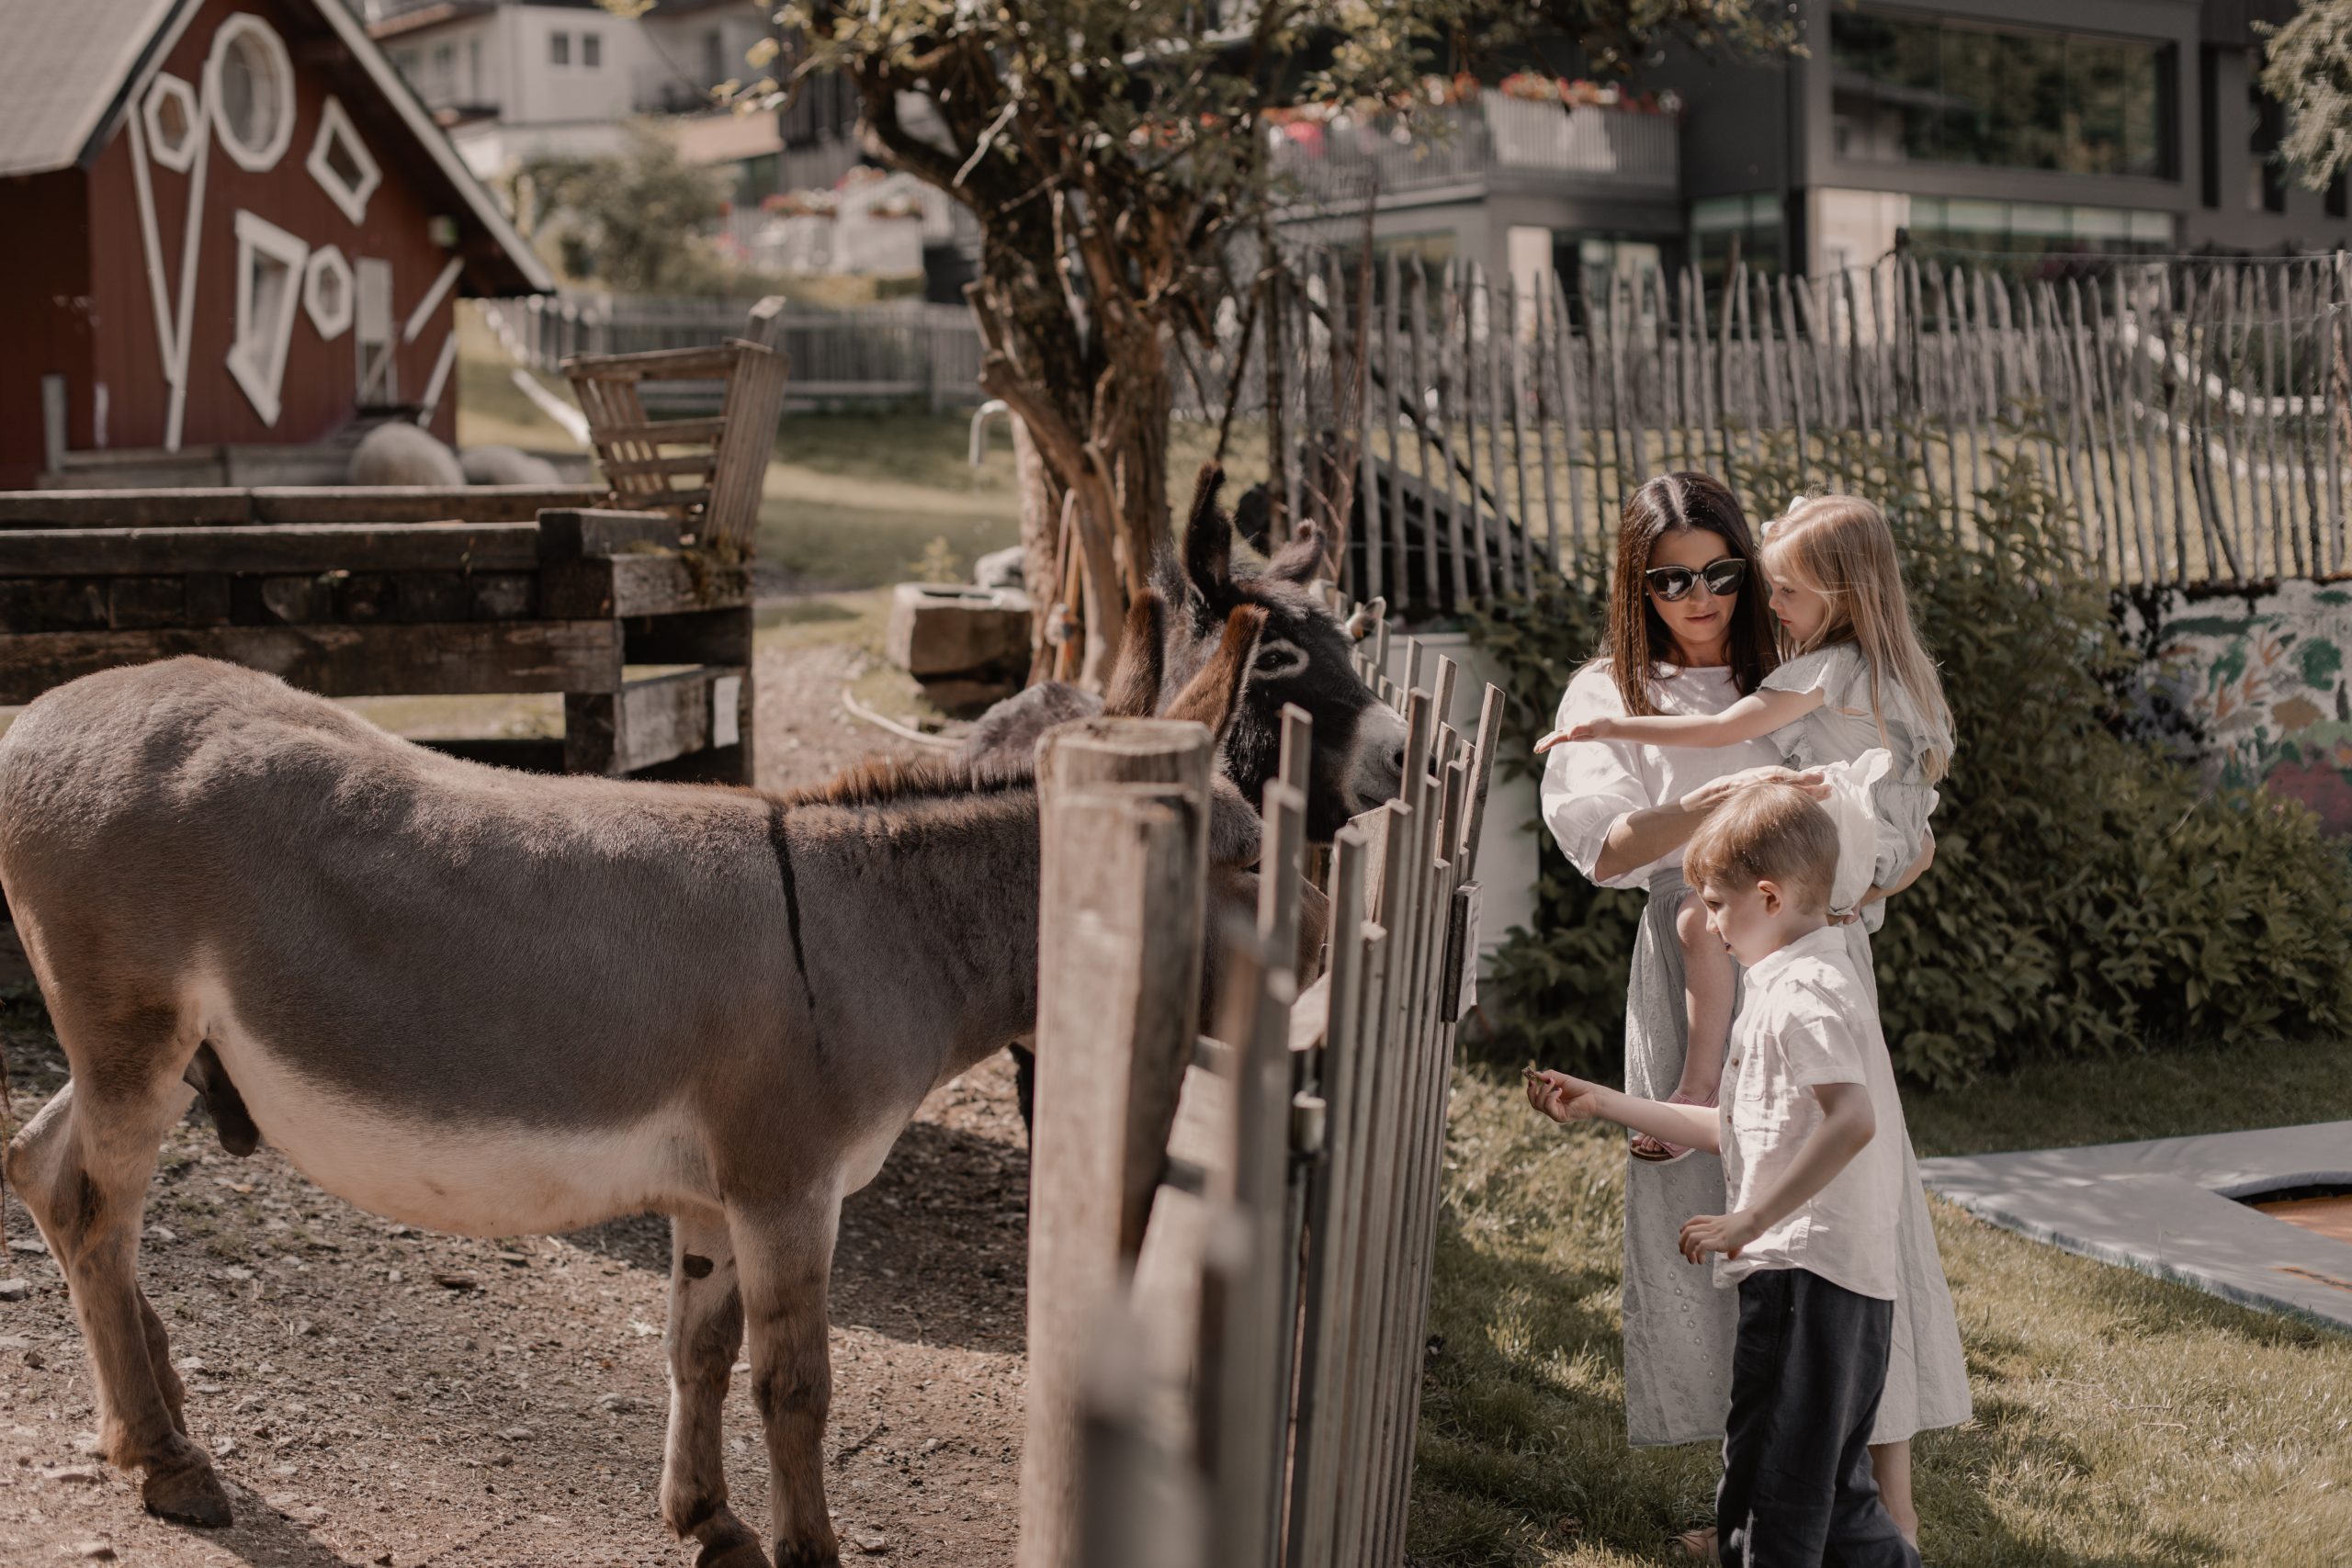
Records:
x=1750, y=718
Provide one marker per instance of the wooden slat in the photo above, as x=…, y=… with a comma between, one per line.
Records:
x=350, y=547
x=653, y=582
x=655, y=364
x=668, y=432
x=572, y=534
x=698, y=463
x=415, y=503
x=342, y=660
x=655, y=719
x=121, y=508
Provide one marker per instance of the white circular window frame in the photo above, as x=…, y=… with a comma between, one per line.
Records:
x=173, y=153
x=331, y=320
x=279, y=70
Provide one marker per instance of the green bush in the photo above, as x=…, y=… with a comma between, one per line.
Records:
x=2088, y=895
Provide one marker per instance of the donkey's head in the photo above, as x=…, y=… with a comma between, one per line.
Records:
x=1302, y=655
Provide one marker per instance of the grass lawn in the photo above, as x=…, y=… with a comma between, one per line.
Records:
x=2120, y=1420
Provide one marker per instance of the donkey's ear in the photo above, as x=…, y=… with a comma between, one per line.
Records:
x=1208, y=535
x=1133, y=690
x=1213, y=695
x=1301, y=561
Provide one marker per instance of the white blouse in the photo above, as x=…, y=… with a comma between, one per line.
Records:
x=1591, y=786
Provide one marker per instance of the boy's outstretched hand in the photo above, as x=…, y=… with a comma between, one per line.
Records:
x=1726, y=1233
x=1560, y=1097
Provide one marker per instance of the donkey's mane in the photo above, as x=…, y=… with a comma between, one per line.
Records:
x=886, y=781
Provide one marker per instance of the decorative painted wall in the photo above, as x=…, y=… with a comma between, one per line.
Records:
x=2257, y=681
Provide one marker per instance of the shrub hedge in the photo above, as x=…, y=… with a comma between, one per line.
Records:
x=2088, y=895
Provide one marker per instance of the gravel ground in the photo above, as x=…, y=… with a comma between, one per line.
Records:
x=375, y=1394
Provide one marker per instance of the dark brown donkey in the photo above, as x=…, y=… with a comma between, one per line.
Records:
x=498, y=1004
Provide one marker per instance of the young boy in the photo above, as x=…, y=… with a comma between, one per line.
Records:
x=1811, y=1135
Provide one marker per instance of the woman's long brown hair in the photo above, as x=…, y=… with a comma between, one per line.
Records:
x=1678, y=504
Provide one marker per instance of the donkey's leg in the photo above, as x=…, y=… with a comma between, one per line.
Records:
x=705, y=1330
x=783, y=1253
x=82, y=1165
x=159, y=1358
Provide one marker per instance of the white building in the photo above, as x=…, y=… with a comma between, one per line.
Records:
x=515, y=80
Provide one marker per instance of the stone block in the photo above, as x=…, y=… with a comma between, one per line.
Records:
x=951, y=629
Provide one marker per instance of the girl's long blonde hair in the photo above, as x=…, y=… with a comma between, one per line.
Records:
x=1840, y=546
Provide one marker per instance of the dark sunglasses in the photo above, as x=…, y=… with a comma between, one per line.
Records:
x=1723, y=579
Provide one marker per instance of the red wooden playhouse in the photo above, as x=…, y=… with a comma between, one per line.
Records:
x=231, y=227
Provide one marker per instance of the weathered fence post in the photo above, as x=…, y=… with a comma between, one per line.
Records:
x=1124, y=823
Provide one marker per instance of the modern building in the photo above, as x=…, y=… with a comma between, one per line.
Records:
x=1986, y=128
x=1999, y=127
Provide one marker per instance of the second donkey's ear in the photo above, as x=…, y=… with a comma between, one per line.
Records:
x=1213, y=695
x=1133, y=690
x=1208, y=536
x=1301, y=560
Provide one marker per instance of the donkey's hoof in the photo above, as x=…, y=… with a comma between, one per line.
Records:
x=826, y=1553
x=731, y=1545
x=191, y=1494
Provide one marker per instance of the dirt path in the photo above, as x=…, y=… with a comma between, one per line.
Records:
x=379, y=1395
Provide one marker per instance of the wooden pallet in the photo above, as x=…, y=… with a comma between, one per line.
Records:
x=705, y=471
x=647, y=637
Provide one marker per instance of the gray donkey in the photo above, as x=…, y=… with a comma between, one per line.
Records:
x=1302, y=658
x=499, y=1004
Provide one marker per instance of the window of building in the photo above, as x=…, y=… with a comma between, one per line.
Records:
x=1945, y=90
x=1745, y=226
x=713, y=58
x=444, y=72
x=474, y=69
x=2266, y=174
x=2337, y=206
x=252, y=103
x=559, y=48
x=2036, y=228
x=591, y=50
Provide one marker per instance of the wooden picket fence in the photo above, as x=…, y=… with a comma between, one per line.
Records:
x=2194, y=415
x=1231, y=1237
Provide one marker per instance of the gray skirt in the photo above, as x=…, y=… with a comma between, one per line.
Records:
x=1679, y=1328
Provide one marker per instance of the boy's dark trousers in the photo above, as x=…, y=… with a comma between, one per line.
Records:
x=1806, y=1373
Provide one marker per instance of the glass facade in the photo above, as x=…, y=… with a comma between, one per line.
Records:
x=1943, y=90
x=1749, y=225
x=2030, y=228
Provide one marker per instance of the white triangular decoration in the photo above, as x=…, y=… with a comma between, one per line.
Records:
x=265, y=305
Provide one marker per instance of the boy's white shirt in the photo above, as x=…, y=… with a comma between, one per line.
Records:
x=1807, y=1020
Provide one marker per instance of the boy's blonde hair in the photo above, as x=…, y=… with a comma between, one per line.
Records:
x=1766, y=830
x=1840, y=546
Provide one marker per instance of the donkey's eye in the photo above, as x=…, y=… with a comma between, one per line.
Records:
x=1277, y=657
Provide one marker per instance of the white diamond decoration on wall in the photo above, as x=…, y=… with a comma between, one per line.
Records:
x=270, y=286
x=342, y=165
x=173, y=119
x=327, y=292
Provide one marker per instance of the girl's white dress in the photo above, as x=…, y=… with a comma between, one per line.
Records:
x=1678, y=1328
x=1844, y=730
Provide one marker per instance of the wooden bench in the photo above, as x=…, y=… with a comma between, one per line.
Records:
x=402, y=592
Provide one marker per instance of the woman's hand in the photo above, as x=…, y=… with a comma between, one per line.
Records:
x=1590, y=730
x=1726, y=1233
x=1560, y=1097
x=1714, y=792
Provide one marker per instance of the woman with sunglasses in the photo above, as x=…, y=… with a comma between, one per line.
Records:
x=1688, y=633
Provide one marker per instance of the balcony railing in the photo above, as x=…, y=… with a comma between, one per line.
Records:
x=1578, y=145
